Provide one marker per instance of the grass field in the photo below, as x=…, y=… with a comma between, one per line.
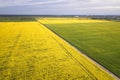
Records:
x=29, y=51
x=98, y=39
x=17, y=19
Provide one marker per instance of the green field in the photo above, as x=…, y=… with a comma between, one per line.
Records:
x=99, y=40
x=17, y=19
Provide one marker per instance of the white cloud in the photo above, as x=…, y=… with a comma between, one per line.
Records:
x=63, y=6
x=69, y=3
x=27, y=2
x=102, y=8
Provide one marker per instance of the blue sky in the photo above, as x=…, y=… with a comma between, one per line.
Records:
x=60, y=7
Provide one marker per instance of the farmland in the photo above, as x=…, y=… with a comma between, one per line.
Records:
x=98, y=39
x=30, y=51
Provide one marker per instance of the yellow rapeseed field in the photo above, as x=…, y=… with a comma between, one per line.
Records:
x=69, y=20
x=29, y=51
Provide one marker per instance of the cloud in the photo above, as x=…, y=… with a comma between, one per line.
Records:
x=65, y=3
x=27, y=2
x=100, y=8
x=60, y=6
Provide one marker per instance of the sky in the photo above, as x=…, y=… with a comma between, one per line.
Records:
x=60, y=7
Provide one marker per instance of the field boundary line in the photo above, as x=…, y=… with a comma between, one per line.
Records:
x=72, y=57
x=91, y=60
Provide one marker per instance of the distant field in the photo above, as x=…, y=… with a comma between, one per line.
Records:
x=29, y=51
x=98, y=39
x=17, y=19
